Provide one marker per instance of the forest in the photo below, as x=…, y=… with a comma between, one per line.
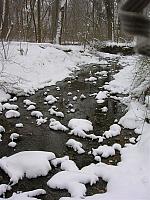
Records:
x=61, y=21
x=74, y=99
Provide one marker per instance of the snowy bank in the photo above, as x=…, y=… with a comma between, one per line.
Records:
x=30, y=66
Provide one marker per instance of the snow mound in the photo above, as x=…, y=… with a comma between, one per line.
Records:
x=14, y=136
x=26, y=195
x=56, y=125
x=73, y=181
x=27, y=102
x=135, y=116
x=57, y=114
x=37, y=114
x=31, y=107
x=11, y=114
x=82, y=124
x=30, y=164
x=105, y=151
x=50, y=99
x=9, y=106
x=41, y=121
x=101, y=96
x=4, y=188
x=77, y=146
x=91, y=79
x=12, y=144
x=19, y=125
x=2, y=129
x=114, y=130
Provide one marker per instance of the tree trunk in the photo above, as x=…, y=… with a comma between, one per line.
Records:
x=60, y=22
x=5, y=15
x=39, y=21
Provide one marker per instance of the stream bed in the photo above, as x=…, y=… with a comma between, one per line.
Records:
x=42, y=138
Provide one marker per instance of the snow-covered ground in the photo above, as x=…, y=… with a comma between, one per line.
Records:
x=42, y=65
x=30, y=66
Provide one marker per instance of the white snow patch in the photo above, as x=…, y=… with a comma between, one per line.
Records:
x=56, y=125
x=77, y=146
x=57, y=114
x=37, y=114
x=30, y=164
x=9, y=106
x=114, y=130
x=11, y=114
x=31, y=107
x=50, y=99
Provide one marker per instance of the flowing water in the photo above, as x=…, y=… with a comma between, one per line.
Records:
x=42, y=138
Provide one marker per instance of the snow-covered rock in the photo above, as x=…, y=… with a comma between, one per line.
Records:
x=13, y=99
x=37, y=114
x=114, y=130
x=82, y=96
x=56, y=125
x=2, y=129
x=19, y=125
x=14, y=136
x=12, y=144
x=57, y=114
x=41, y=121
x=4, y=188
x=27, y=102
x=77, y=146
x=31, y=107
x=101, y=96
x=91, y=79
x=50, y=99
x=83, y=124
x=9, y=106
x=11, y=114
x=104, y=109
x=30, y=164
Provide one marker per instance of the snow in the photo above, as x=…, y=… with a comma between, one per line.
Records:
x=2, y=129
x=40, y=67
x=135, y=116
x=104, y=109
x=57, y=114
x=12, y=144
x=91, y=79
x=37, y=114
x=124, y=79
x=105, y=151
x=19, y=125
x=82, y=124
x=82, y=97
x=14, y=136
x=4, y=96
x=28, y=102
x=50, y=99
x=41, y=121
x=13, y=99
x=31, y=107
x=75, y=98
x=25, y=195
x=114, y=130
x=56, y=125
x=9, y=106
x=101, y=96
x=77, y=146
x=11, y=114
x=30, y=164
x=4, y=188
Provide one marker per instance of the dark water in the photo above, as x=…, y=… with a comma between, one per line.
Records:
x=41, y=138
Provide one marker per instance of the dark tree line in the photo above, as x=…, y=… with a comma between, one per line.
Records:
x=59, y=21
